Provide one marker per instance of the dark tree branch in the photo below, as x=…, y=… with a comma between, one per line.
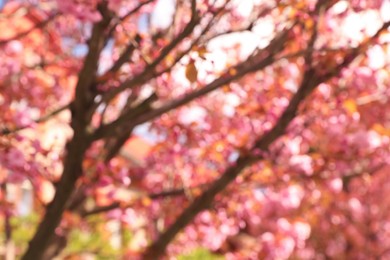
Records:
x=125, y=56
x=121, y=138
x=100, y=209
x=153, y=196
x=123, y=133
x=257, y=62
x=139, y=80
x=200, y=203
x=309, y=82
x=75, y=148
x=125, y=113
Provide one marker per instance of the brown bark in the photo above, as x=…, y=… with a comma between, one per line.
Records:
x=199, y=204
x=56, y=245
x=72, y=171
x=75, y=148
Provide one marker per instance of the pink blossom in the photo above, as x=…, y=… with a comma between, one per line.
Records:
x=302, y=230
x=286, y=248
x=291, y=197
x=367, y=140
x=14, y=47
x=86, y=10
x=205, y=217
x=22, y=118
x=335, y=184
x=376, y=57
x=356, y=208
x=294, y=145
x=114, y=5
x=325, y=90
x=335, y=247
x=16, y=177
x=268, y=237
x=284, y=225
x=15, y=159
x=105, y=181
x=302, y=163
x=359, y=5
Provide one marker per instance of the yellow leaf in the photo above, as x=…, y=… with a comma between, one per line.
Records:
x=226, y=88
x=196, y=192
x=170, y=59
x=380, y=129
x=301, y=5
x=191, y=72
x=293, y=13
x=232, y=71
x=350, y=106
x=146, y=201
x=219, y=146
x=202, y=51
x=309, y=24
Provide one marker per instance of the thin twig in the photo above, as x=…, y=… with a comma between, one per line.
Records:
x=7, y=131
x=25, y=33
x=149, y=70
x=152, y=196
x=259, y=61
x=121, y=19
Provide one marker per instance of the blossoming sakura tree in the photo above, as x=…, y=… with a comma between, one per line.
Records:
x=267, y=123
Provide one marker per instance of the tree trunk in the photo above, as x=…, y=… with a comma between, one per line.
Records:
x=72, y=170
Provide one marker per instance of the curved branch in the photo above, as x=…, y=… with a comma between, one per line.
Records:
x=153, y=196
x=257, y=62
x=7, y=131
x=309, y=82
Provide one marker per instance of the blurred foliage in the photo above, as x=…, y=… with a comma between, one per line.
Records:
x=94, y=238
x=83, y=240
x=200, y=254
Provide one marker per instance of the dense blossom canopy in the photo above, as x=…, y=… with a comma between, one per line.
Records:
x=253, y=129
